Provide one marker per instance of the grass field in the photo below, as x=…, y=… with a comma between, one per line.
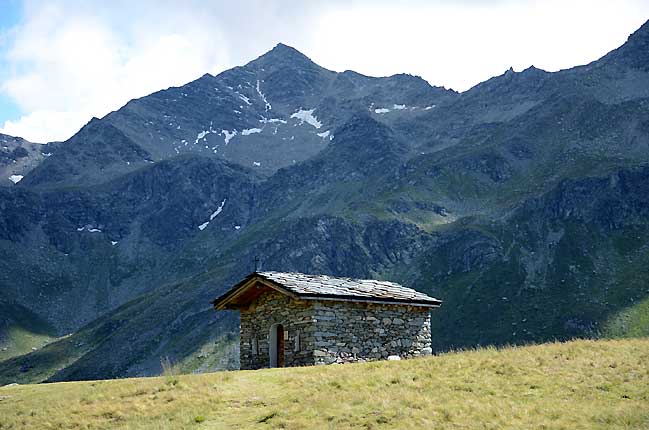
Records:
x=21, y=341
x=574, y=385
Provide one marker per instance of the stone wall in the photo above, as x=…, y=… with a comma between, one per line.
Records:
x=350, y=331
x=332, y=332
x=272, y=308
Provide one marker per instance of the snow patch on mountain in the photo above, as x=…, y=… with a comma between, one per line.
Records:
x=201, y=135
x=218, y=210
x=263, y=97
x=250, y=131
x=272, y=120
x=204, y=133
x=16, y=178
x=228, y=135
x=308, y=117
x=324, y=134
x=398, y=107
x=89, y=229
x=213, y=215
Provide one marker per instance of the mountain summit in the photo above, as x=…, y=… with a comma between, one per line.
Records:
x=282, y=54
x=635, y=52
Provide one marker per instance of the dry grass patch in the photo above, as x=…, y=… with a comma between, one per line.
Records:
x=575, y=385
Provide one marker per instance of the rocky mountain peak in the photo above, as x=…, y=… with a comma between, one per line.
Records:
x=287, y=76
x=635, y=52
x=282, y=49
x=641, y=35
x=283, y=56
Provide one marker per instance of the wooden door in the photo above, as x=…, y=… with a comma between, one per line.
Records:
x=280, y=346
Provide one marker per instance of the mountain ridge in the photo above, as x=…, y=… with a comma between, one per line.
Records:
x=126, y=232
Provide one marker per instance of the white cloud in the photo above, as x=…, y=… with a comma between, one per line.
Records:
x=44, y=125
x=459, y=44
x=71, y=60
x=75, y=65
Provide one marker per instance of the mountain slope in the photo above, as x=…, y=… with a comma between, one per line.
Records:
x=521, y=203
x=72, y=254
x=548, y=278
x=97, y=151
x=559, y=267
x=18, y=157
x=231, y=116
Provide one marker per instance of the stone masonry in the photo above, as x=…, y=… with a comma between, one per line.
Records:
x=272, y=308
x=351, y=331
x=324, y=332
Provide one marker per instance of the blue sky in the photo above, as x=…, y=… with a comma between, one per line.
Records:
x=10, y=14
x=64, y=61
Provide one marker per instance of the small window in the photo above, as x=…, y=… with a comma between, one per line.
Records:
x=255, y=346
x=296, y=347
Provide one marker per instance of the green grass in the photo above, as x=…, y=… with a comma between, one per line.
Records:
x=575, y=385
x=20, y=341
x=630, y=322
x=21, y=330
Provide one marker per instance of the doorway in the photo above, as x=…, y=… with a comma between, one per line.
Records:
x=276, y=345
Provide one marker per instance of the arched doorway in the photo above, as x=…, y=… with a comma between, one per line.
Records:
x=276, y=345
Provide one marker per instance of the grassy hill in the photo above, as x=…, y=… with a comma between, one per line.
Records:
x=21, y=331
x=575, y=385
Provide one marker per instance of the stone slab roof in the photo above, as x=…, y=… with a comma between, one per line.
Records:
x=323, y=287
